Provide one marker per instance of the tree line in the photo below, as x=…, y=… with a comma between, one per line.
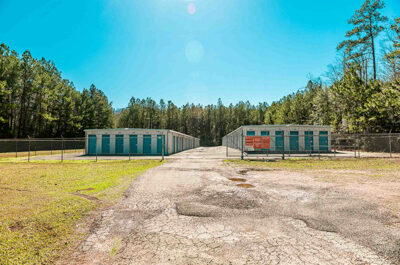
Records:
x=359, y=93
x=36, y=101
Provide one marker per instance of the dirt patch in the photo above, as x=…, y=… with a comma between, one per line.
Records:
x=88, y=197
x=245, y=185
x=3, y=188
x=247, y=170
x=321, y=225
x=85, y=189
x=16, y=226
x=238, y=179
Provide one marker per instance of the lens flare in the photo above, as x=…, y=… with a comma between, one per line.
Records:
x=191, y=8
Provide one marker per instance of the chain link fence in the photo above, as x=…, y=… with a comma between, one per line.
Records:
x=113, y=147
x=336, y=146
x=30, y=148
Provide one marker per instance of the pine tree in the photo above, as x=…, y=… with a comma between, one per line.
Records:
x=367, y=22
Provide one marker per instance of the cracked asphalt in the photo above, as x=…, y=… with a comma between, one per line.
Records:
x=188, y=211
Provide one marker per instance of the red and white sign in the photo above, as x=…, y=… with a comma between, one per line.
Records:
x=258, y=142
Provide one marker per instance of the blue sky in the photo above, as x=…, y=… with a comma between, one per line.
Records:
x=180, y=50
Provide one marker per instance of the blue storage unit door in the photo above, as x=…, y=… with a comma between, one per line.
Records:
x=119, y=144
x=173, y=144
x=146, y=144
x=309, y=140
x=159, y=143
x=279, y=140
x=105, y=144
x=323, y=141
x=133, y=144
x=294, y=141
x=92, y=145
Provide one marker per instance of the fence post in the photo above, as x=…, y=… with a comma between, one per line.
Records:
x=227, y=143
x=241, y=156
x=390, y=143
x=162, y=147
x=35, y=147
x=334, y=148
x=283, y=145
x=355, y=147
x=319, y=151
x=29, y=149
x=62, y=148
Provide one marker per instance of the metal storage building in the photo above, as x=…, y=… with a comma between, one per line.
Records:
x=127, y=141
x=280, y=138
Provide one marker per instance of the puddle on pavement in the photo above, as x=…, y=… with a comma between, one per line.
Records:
x=245, y=185
x=238, y=179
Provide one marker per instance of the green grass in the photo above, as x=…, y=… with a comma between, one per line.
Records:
x=38, y=208
x=323, y=164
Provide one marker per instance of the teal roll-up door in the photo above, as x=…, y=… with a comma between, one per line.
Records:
x=294, y=141
x=133, y=144
x=119, y=144
x=309, y=140
x=105, y=144
x=173, y=144
x=279, y=140
x=323, y=141
x=147, y=144
x=159, y=143
x=92, y=144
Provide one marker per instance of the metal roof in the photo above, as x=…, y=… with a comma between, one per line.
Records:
x=280, y=125
x=137, y=129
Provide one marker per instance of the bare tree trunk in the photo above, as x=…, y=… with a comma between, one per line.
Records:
x=373, y=49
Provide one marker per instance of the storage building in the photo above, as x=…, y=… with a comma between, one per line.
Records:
x=280, y=138
x=128, y=141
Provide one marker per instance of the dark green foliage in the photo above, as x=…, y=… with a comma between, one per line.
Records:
x=36, y=101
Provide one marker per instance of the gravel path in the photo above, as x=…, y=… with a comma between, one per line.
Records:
x=188, y=211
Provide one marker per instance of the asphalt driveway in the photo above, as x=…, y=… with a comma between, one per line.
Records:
x=194, y=209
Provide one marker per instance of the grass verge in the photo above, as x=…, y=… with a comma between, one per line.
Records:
x=41, y=203
x=333, y=170
x=350, y=164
